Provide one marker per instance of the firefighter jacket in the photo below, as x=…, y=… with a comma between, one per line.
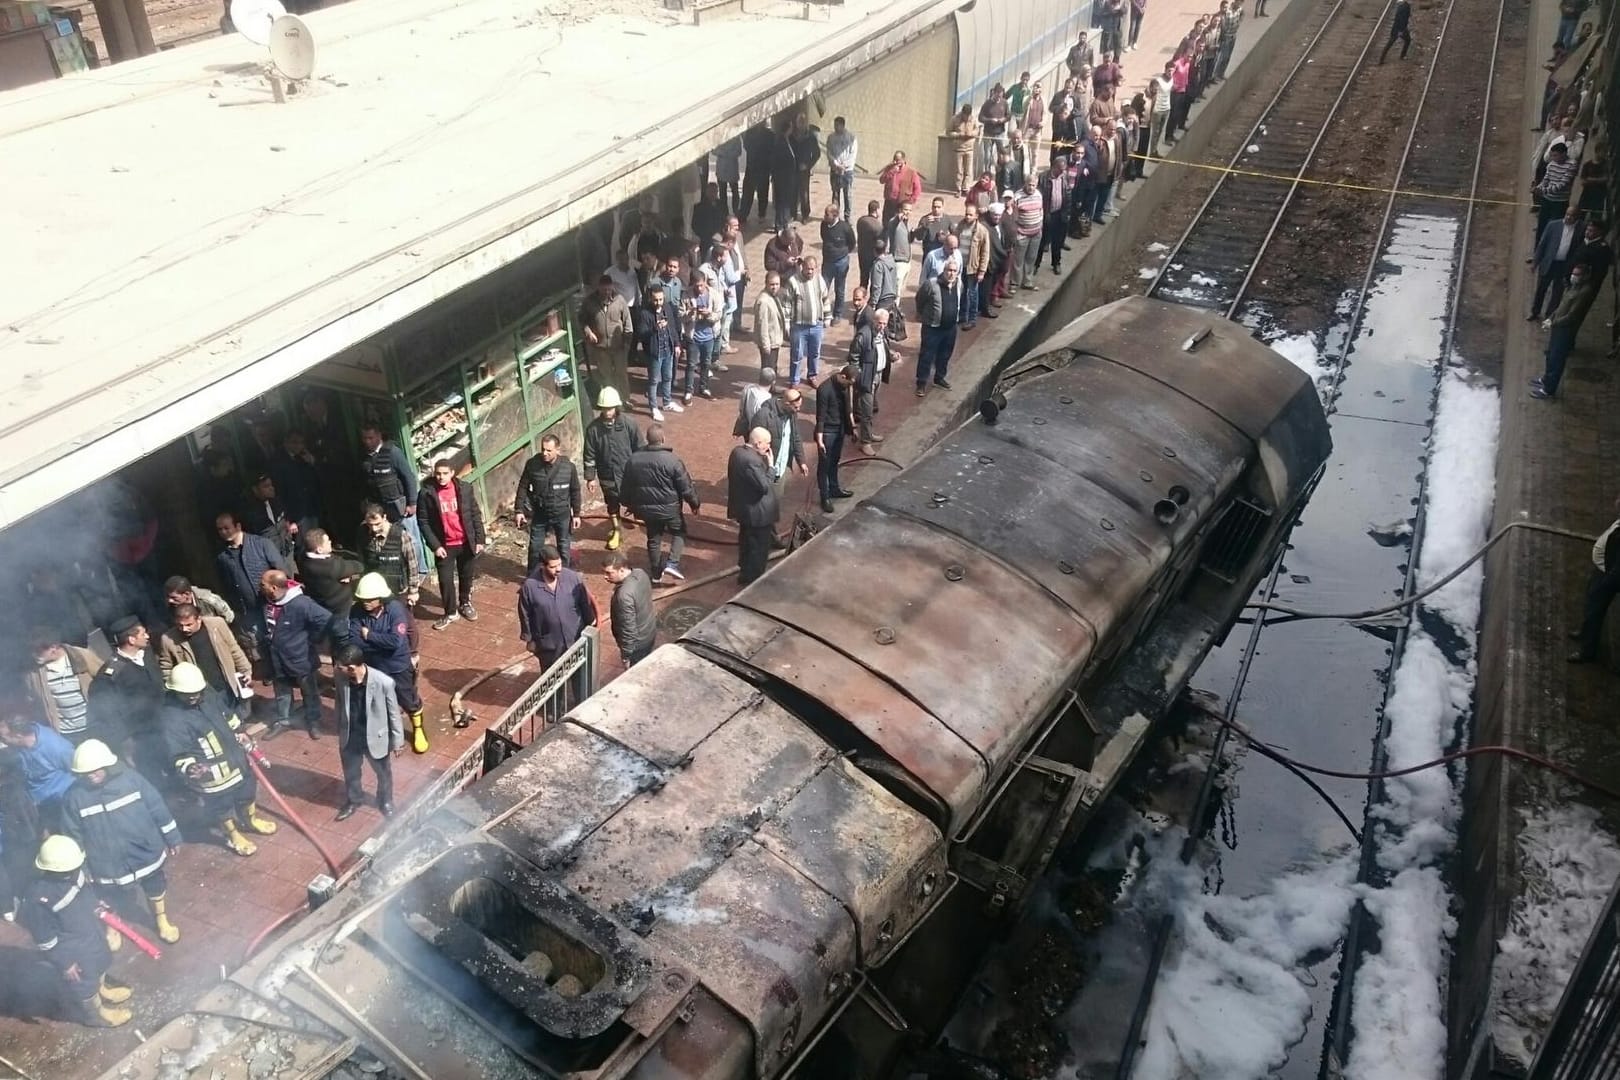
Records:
x=59, y=910
x=123, y=825
x=382, y=637
x=204, y=734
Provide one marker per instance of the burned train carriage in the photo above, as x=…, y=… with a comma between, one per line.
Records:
x=781, y=843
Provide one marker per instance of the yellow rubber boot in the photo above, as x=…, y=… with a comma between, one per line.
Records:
x=261, y=825
x=236, y=841
x=114, y=995
x=419, y=741
x=613, y=534
x=97, y=1013
x=115, y=940
x=160, y=911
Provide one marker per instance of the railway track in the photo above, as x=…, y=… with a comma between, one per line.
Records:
x=1214, y=260
x=1214, y=264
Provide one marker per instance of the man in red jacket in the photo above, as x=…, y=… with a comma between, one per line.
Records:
x=901, y=185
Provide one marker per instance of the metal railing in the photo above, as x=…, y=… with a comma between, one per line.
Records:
x=548, y=699
x=1583, y=1041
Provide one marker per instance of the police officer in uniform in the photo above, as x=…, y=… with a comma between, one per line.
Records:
x=548, y=500
x=127, y=692
x=389, y=550
x=124, y=827
x=378, y=625
x=390, y=479
x=208, y=752
x=61, y=913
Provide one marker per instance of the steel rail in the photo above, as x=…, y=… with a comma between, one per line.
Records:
x=1339, y=1029
x=1266, y=115
x=1166, y=925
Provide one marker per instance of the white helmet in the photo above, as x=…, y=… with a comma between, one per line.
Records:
x=608, y=399
x=91, y=755
x=59, y=854
x=186, y=679
x=372, y=586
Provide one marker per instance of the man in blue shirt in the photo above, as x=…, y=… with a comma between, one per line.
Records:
x=46, y=760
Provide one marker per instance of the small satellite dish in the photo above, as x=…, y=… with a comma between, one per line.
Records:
x=252, y=18
x=292, y=48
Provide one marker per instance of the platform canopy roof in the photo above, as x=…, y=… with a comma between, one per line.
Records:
x=178, y=243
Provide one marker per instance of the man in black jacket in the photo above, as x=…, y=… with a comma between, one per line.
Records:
x=751, y=503
x=635, y=622
x=870, y=352
x=759, y=146
x=328, y=577
x=656, y=484
x=834, y=420
x=609, y=441
x=453, y=527
x=127, y=692
x=806, y=152
x=837, y=243
x=298, y=481
x=548, y=500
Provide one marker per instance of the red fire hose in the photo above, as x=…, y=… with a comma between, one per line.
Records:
x=334, y=865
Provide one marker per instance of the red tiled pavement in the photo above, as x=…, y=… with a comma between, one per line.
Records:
x=221, y=901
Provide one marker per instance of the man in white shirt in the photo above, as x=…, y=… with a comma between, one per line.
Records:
x=841, y=149
x=623, y=276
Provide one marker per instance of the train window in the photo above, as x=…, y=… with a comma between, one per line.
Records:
x=1235, y=539
x=566, y=965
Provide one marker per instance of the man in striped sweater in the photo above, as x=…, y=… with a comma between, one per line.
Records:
x=1555, y=186
x=1029, y=215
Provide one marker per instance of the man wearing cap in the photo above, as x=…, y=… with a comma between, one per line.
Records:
x=61, y=913
x=294, y=627
x=377, y=627
x=208, y=751
x=610, y=439
x=548, y=499
x=203, y=640
x=127, y=691
x=453, y=526
x=369, y=729
x=604, y=318
x=59, y=683
x=124, y=827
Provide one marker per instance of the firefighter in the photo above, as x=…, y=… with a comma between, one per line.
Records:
x=208, y=751
x=62, y=914
x=379, y=624
x=124, y=827
x=609, y=442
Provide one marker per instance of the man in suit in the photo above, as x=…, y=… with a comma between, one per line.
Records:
x=1558, y=248
x=751, y=502
x=870, y=352
x=370, y=728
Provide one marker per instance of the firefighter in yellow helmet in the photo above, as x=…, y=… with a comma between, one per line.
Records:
x=124, y=827
x=61, y=912
x=208, y=751
x=610, y=439
x=378, y=624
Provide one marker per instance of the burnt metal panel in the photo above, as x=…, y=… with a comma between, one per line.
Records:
x=769, y=943
x=979, y=645
x=665, y=705
x=644, y=864
x=879, y=857
x=564, y=785
x=1228, y=371
x=937, y=758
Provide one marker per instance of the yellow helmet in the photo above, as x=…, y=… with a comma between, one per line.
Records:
x=91, y=755
x=186, y=678
x=609, y=399
x=372, y=586
x=59, y=854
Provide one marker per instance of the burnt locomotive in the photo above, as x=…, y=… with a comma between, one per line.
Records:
x=781, y=844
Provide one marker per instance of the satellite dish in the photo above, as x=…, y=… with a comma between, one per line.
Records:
x=252, y=18
x=292, y=48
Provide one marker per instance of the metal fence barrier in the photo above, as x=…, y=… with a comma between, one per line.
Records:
x=548, y=699
x=1583, y=1041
